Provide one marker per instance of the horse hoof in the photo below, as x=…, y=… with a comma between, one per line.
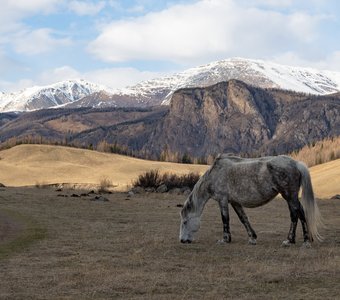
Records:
x=252, y=241
x=306, y=244
x=223, y=242
x=286, y=243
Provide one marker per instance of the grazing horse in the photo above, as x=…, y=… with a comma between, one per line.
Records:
x=253, y=182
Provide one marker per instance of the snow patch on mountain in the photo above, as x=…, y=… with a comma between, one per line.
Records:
x=53, y=95
x=157, y=91
x=255, y=72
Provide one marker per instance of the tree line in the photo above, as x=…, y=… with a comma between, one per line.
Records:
x=313, y=154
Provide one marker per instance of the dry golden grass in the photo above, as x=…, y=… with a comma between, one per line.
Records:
x=33, y=164
x=28, y=164
x=326, y=179
x=128, y=248
x=319, y=153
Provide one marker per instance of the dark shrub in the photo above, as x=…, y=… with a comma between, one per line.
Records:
x=190, y=179
x=148, y=179
x=152, y=179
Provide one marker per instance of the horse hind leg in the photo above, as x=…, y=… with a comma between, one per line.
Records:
x=301, y=214
x=296, y=213
x=244, y=220
x=293, y=224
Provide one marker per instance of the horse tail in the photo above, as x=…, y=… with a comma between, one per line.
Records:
x=310, y=206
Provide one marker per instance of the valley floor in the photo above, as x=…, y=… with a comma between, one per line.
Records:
x=127, y=247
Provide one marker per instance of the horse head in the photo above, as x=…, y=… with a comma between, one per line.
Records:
x=190, y=223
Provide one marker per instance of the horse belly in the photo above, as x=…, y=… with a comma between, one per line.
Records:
x=252, y=192
x=251, y=198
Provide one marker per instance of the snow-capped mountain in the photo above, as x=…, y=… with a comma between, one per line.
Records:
x=54, y=95
x=255, y=72
x=265, y=74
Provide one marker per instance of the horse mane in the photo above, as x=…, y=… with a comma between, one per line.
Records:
x=192, y=205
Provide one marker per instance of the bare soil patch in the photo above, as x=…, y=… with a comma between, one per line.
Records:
x=128, y=248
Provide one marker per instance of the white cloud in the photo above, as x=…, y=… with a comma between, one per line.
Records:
x=9, y=86
x=13, y=11
x=332, y=62
x=56, y=75
x=110, y=77
x=37, y=41
x=272, y=3
x=14, y=32
x=30, y=6
x=86, y=8
x=7, y=64
x=202, y=31
x=329, y=62
x=119, y=77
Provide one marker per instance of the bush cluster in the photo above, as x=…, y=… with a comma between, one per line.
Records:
x=154, y=179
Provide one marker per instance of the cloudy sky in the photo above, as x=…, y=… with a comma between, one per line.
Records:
x=117, y=43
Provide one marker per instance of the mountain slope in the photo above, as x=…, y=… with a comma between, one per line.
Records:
x=257, y=73
x=235, y=117
x=54, y=95
x=226, y=117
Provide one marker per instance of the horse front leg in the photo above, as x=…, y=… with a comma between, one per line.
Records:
x=244, y=220
x=223, y=203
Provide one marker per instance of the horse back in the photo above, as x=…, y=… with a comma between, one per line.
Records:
x=250, y=182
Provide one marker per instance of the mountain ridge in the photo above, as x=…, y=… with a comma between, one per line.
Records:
x=54, y=95
x=229, y=116
x=259, y=73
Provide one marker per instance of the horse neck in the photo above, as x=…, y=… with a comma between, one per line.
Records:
x=197, y=200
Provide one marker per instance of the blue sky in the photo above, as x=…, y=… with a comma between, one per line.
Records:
x=117, y=43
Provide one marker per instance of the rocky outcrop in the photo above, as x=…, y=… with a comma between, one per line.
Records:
x=235, y=117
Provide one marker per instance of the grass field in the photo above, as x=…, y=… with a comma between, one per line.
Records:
x=40, y=164
x=55, y=246
x=128, y=248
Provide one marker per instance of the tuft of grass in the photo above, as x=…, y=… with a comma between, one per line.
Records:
x=104, y=185
x=41, y=185
x=153, y=179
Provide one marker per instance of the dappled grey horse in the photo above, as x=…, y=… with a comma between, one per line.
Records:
x=253, y=182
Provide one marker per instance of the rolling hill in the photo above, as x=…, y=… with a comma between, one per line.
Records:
x=31, y=164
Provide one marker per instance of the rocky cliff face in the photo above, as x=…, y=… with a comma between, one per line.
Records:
x=234, y=117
